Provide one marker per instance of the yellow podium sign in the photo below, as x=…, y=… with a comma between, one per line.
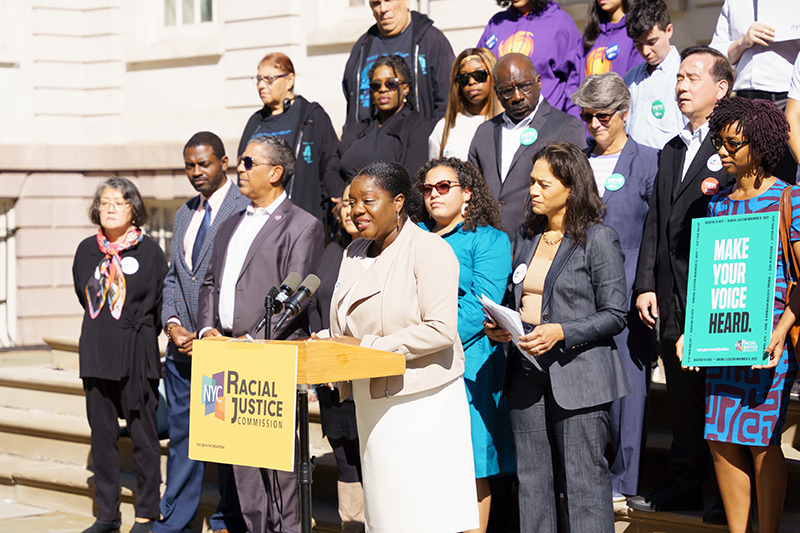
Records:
x=243, y=403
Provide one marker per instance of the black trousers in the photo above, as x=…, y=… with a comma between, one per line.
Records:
x=106, y=403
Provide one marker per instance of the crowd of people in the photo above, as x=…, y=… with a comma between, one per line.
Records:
x=554, y=173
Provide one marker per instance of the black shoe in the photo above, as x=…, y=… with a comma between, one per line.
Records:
x=667, y=498
x=716, y=515
x=104, y=527
x=142, y=527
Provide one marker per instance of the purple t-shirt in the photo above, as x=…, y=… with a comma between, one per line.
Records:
x=550, y=39
x=613, y=51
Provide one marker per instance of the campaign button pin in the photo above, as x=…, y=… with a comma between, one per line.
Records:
x=519, y=274
x=709, y=186
x=658, y=109
x=714, y=163
x=612, y=51
x=491, y=41
x=615, y=182
x=529, y=136
x=129, y=265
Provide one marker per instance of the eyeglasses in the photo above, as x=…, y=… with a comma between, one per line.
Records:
x=269, y=80
x=118, y=206
x=480, y=76
x=730, y=145
x=391, y=84
x=508, y=92
x=442, y=187
x=248, y=163
x=604, y=118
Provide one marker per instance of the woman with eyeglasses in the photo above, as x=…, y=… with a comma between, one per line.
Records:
x=306, y=127
x=394, y=131
x=462, y=210
x=471, y=102
x=606, y=45
x=568, y=283
x=118, y=275
x=746, y=407
x=398, y=291
x=624, y=172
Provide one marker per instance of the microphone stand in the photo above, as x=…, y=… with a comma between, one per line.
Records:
x=269, y=307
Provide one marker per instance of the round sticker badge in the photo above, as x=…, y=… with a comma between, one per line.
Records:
x=658, y=109
x=491, y=41
x=709, y=186
x=612, y=51
x=519, y=274
x=529, y=136
x=129, y=265
x=615, y=182
x=714, y=163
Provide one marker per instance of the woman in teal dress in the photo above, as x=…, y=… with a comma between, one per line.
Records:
x=461, y=208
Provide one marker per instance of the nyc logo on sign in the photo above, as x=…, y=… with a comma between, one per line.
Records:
x=213, y=395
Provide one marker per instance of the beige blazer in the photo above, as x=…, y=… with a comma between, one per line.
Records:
x=406, y=302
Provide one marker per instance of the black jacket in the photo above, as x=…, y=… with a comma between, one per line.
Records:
x=316, y=178
x=433, y=61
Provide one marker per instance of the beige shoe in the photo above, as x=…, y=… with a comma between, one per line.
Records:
x=351, y=507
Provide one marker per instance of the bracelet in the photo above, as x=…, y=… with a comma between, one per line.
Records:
x=169, y=328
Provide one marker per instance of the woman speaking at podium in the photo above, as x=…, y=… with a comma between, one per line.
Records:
x=398, y=291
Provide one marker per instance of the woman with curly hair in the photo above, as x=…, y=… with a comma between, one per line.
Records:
x=746, y=407
x=394, y=131
x=461, y=208
x=471, y=102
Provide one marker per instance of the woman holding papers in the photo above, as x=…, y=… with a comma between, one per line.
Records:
x=461, y=208
x=746, y=407
x=568, y=283
x=398, y=291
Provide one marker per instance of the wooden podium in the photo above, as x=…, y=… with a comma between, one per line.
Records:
x=321, y=361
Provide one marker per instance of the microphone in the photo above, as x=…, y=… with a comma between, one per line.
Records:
x=288, y=287
x=293, y=304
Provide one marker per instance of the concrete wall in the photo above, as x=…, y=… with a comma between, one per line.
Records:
x=93, y=88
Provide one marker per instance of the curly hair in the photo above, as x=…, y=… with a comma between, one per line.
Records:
x=645, y=15
x=760, y=123
x=482, y=209
x=399, y=69
x=584, y=207
x=393, y=178
x=537, y=6
x=456, y=103
x=594, y=17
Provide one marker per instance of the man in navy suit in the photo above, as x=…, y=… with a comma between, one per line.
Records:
x=196, y=223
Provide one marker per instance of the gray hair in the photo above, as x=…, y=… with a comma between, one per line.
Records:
x=603, y=91
x=131, y=195
x=279, y=153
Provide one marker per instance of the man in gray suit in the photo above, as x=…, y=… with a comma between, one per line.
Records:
x=254, y=251
x=196, y=224
x=503, y=147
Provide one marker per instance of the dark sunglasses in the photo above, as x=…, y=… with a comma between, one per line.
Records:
x=730, y=145
x=604, y=118
x=508, y=92
x=480, y=76
x=391, y=84
x=248, y=163
x=442, y=187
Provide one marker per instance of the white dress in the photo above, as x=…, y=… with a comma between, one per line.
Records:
x=460, y=137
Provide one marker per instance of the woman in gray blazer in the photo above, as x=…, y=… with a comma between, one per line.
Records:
x=568, y=283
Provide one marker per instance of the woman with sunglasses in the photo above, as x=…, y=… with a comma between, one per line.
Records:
x=306, y=127
x=472, y=101
x=606, y=45
x=746, y=407
x=394, y=131
x=624, y=172
x=461, y=208
x=118, y=275
x=568, y=283
x=397, y=291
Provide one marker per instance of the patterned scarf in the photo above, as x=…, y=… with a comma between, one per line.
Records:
x=108, y=281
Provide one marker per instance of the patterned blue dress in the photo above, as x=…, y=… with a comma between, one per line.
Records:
x=484, y=258
x=746, y=406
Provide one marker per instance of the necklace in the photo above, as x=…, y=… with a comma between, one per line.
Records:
x=548, y=241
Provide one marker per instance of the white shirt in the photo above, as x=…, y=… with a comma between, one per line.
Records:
x=509, y=143
x=692, y=142
x=761, y=68
x=460, y=137
x=215, y=201
x=794, y=85
x=241, y=240
x=603, y=167
x=655, y=117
